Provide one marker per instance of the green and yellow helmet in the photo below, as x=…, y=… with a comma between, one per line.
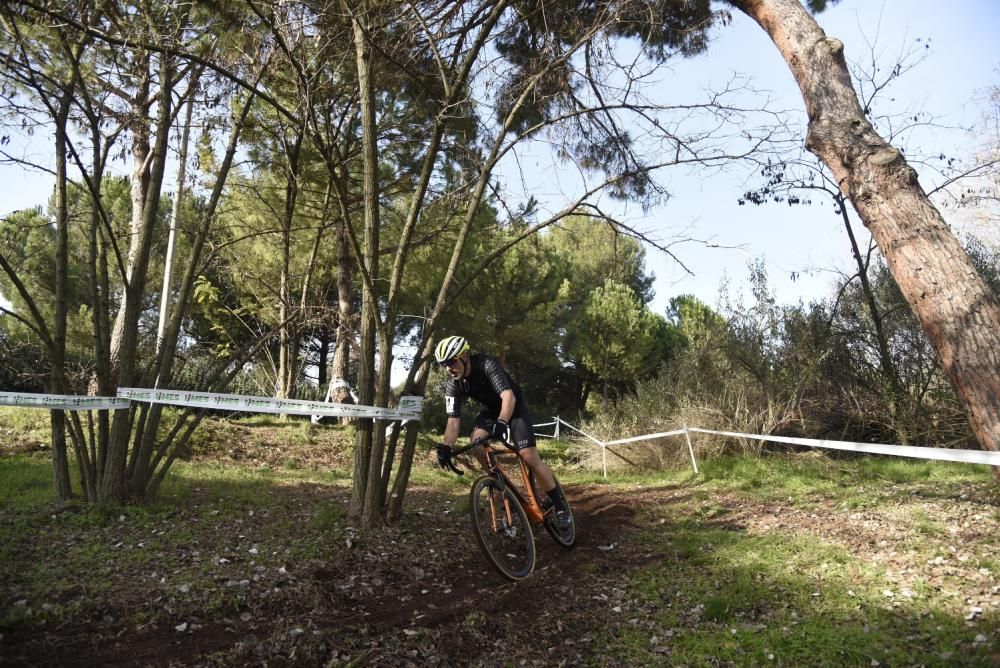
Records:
x=450, y=347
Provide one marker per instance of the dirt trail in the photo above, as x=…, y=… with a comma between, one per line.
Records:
x=368, y=609
x=421, y=594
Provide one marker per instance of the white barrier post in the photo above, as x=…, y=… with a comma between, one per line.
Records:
x=556, y=418
x=687, y=437
x=604, y=454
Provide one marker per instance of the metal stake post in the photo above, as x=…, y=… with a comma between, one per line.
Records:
x=687, y=436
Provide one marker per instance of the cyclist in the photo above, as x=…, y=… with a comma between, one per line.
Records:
x=503, y=412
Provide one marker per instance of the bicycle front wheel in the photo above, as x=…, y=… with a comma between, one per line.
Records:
x=502, y=529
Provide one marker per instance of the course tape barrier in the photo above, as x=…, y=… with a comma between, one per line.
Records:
x=585, y=434
x=66, y=402
x=942, y=454
x=988, y=457
x=409, y=407
x=662, y=434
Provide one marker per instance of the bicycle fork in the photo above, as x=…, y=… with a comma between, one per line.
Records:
x=505, y=521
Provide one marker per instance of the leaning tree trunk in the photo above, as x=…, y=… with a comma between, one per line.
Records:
x=887, y=367
x=953, y=304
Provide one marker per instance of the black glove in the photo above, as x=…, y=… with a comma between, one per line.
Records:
x=501, y=431
x=444, y=455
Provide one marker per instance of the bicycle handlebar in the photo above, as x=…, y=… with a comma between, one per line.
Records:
x=451, y=465
x=482, y=440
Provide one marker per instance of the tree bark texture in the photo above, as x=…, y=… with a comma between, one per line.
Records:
x=60, y=461
x=175, y=214
x=953, y=304
x=147, y=179
x=366, y=363
x=345, y=318
x=288, y=332
x=887, y=367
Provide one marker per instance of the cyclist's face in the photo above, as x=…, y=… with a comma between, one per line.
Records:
x=456, y=369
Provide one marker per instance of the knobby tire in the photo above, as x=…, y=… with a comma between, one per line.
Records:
x=510, y=547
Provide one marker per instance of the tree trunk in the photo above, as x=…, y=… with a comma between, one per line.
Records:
x=322, y=357
x=147, y=478
x=306, y=321
x=97, y=271
x=955, y=307
x=147, y=179
x=379, y=470
x=501, y=333
x=57, y=419
x=394, y=509
x=366, y=361
x=175, y=212
x=887, y=367
x=345, y=331
x=288, y=333
x=97, y=283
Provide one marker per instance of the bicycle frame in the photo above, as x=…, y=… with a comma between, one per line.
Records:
x=528, y=501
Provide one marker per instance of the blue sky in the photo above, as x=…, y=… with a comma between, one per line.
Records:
x=807, y=241
x=961, y=63
x=810, y=241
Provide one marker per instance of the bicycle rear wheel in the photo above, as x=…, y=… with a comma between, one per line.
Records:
x=564, y=536
x=502, y=529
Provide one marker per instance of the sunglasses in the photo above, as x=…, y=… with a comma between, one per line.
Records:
x=450, y=363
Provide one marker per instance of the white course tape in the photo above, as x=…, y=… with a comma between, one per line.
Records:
x=409, y=407
x=66, y=402
x=595, y=440
x=943, y=454
x=663, y=434
x=987, y=457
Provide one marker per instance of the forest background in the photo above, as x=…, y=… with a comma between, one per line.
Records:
x=331, y=187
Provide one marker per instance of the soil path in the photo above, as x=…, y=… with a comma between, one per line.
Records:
x=377, y=611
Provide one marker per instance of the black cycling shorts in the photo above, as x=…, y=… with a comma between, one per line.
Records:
x=522, y=431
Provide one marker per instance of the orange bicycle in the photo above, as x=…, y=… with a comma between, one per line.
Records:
x=503, y=513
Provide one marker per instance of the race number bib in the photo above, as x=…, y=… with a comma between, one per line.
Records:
x=449, y=403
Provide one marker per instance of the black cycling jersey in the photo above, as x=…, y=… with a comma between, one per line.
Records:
x=484, y=384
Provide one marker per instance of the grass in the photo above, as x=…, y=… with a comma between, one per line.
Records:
x=23, y=428
x=200, y=531
x=782, y=560
x=718, y=596
x=784, y=599
x=727, y=596
x=25, y=481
